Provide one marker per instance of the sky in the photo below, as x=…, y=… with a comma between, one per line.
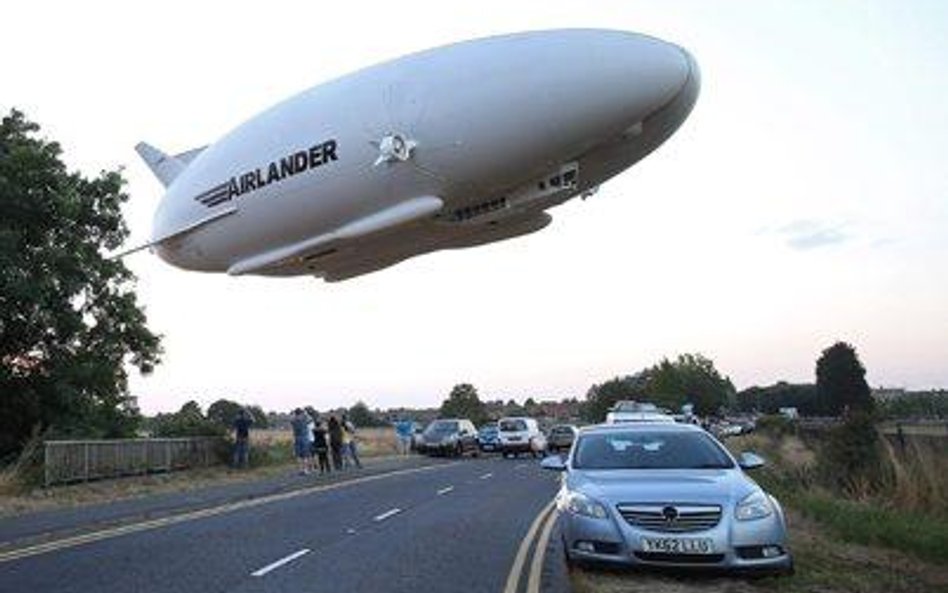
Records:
x=803, y=202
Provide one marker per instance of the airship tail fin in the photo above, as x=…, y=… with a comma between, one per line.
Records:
x=165, y=167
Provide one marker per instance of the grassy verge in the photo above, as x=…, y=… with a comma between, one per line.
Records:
x=924, y=536
x=271, y=454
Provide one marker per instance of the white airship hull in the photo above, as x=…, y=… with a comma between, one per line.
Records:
x=452, y=147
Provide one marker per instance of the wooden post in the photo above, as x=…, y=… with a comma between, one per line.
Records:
x=46, y=464
x=86, y=464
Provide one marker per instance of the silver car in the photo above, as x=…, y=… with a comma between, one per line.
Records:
x=666, y=495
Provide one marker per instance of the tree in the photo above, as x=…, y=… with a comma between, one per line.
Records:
x=69, y=319
x=361, y=415
x=770, y=399
x=189, y=421
x=691, y=378
x=601, y=398
x=463, y=402
x=223, y=412
x=260, y=418
x=841, y=381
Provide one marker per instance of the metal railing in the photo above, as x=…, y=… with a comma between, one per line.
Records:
x=75, y=461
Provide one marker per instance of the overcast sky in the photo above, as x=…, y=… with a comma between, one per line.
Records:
x=803, y=202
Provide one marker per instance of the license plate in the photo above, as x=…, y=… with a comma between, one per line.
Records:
x=513, y=439
x=678, y=545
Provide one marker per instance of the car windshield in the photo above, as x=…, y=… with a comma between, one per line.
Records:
x=561, y=430
x=442, y=427
x=641, y=449
x=513, y=425
x=489, y=430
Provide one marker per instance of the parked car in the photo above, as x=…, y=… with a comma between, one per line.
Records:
x=520, y=435
x=668, y=495
x=561, y=437
x=450, y=436
x=632, y=411
x=487, y=438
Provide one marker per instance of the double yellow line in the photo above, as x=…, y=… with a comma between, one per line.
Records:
x=543, y=523
x=78, y=540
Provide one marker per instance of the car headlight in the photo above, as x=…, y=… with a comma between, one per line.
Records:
x=580, y=504
x=755, y=505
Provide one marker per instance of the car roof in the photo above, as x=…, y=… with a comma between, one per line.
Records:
x=640, y=427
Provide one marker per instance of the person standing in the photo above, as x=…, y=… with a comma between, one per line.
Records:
x=349, y=436
x=302, y=435
x=335, y=442
x=242, y=439
x=404, y=429
x=321, y=447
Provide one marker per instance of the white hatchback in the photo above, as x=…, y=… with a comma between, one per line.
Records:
x=520, y=434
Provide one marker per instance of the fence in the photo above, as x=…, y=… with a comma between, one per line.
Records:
x=72, y=461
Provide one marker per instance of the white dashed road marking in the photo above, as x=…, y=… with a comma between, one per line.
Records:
x=280, y=562
x=386, y=515
x=486, y=476
x=445, y=490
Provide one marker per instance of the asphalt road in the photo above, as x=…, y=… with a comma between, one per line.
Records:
x=450, y=527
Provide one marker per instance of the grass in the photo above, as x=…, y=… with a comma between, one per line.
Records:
x=922, y=535
x=271, y=454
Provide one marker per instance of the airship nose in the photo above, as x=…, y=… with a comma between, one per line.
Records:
x=658, y=75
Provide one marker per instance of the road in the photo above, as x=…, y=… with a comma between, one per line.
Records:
x=459, y=526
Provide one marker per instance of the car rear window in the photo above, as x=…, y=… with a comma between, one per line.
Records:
x=650, y=450
x=442, y=426
x=512, y=425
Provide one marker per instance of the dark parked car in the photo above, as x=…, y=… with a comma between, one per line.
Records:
x=488, y=439
x=561, y=437
x=451, y=436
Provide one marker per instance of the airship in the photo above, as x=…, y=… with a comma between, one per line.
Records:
x=449, y=148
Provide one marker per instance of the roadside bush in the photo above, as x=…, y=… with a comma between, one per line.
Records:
x=776, y=425
x=850, y=459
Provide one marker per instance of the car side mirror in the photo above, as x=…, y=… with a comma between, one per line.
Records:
x=750, y=460
x=553, y=463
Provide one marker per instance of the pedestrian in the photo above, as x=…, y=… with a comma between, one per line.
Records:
x=302, y=435
x=242, y=438
x=335, y=442
x=321, y=447
x=404, y=429
x=349, y=437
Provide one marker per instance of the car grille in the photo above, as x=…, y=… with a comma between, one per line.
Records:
x=671, y=518
x=680, y=558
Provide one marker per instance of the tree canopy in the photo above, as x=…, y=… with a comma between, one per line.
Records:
x=360, y=415
x=841, y=381
x=600, y=398
x=463, y=402
x=690, y=378
x=69, y=318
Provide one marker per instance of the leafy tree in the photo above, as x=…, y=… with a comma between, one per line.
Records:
x=223, y=412
x=69, y=319
x=691, y=378
x=770, y=399
x=463, y=402
x=361, y=415
x=841, y=381
x=260, y=418
x=189, y=421
x=600, y=398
